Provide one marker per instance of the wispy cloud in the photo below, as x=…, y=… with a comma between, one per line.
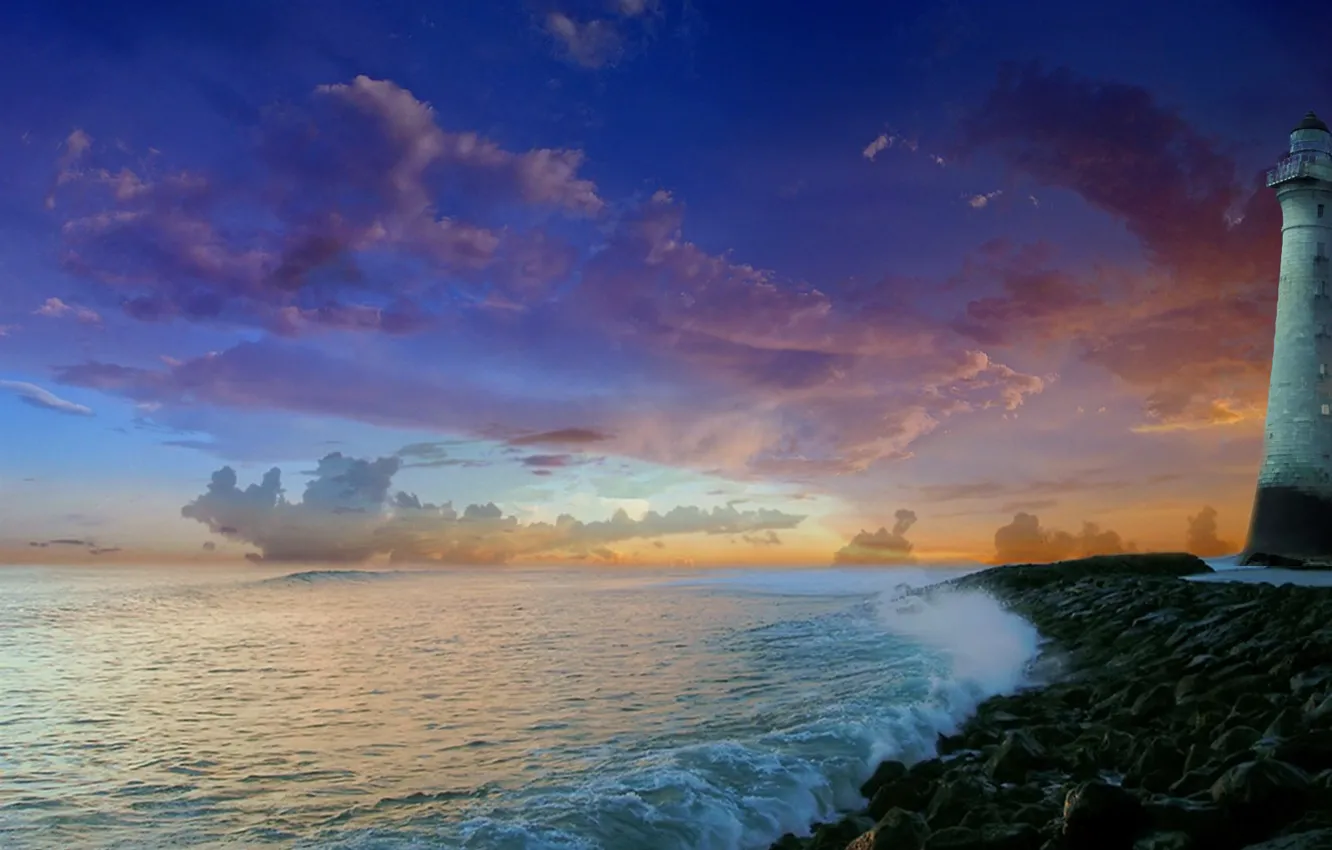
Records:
x=165, y=241
x=980, y=202
x=592, y=44
x=35, y=396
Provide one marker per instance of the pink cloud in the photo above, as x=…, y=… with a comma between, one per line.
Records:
x=1194, y=334
x=350, y=182
x=54, y=308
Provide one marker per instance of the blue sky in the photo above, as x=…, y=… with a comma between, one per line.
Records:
x=958, y=259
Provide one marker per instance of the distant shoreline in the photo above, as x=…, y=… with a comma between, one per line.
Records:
x=1184, y=714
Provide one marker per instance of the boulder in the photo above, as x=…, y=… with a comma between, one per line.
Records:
x=1262, y=795
x=900, y=830
x=1320, y=839
x=955, y=838
x=1100, y=816
x=904, y=793
x=1310, y=751
x=887, y=771
x=1236, y=740
x=1018, y=753
x=954, y=799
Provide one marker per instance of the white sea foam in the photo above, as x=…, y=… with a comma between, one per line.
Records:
x=709, y=712
x=732, y=795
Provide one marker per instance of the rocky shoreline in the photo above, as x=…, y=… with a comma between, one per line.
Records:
x=1184, y=716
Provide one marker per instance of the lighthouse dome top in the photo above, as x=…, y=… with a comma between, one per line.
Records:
x=1311, y=122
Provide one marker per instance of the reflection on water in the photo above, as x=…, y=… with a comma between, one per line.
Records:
x=470, y=708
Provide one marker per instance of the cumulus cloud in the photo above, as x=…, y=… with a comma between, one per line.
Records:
x=1201, y=538
x=346, y=514
x=767, y=538
x=882, y=546
x=33, y=395
x=54, y=308
x=1025, y=541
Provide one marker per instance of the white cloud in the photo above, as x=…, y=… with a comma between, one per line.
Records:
x=35, y=396
x=881, y=143
x=54, y=308
x=980, y=202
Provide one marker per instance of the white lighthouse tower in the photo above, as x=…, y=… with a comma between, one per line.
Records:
x=1292, y=513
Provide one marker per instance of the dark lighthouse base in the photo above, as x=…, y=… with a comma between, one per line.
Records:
x=1290, y=527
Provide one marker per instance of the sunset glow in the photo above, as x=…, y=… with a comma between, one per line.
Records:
x=630, y=283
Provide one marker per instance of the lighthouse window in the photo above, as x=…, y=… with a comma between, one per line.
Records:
x=1322, y=370
x=1320, y=210
x=1327, y=410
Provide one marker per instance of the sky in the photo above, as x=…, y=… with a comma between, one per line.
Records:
x=638, y=281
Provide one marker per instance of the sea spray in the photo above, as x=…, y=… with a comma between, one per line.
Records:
x=743, y=794
x=989, y=649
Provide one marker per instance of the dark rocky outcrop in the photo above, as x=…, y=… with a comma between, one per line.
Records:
x=1187, y=716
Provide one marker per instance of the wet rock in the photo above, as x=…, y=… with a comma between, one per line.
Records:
x=887, y=772
x=954, y=799
x=836, y=836
x=899, y=830
x=1018, y=754
x=1287, y=723
x=1235, y=740
x=1158, y=700
x=1316, y=840
x=1318, y=711
x=1188, y=686
x=955, y=838
x=906, y=793
x=1308, y=681
x=1012, y=836
x=1262, y=795
x=1100, y=816
x=1310, y=751
x=1210, y=702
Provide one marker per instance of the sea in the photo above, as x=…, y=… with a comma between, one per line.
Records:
x=487, y=708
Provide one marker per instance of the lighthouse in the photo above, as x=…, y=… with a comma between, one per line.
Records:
x=1292, y=512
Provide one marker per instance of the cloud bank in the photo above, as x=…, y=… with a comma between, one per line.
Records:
x=346, y=515
x=1201, y=538
x=882, y=546
x=1024, y=541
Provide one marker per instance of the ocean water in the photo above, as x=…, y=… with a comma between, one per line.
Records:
x=476, y=708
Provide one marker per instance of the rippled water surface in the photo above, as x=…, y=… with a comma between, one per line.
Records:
x=156, y=708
